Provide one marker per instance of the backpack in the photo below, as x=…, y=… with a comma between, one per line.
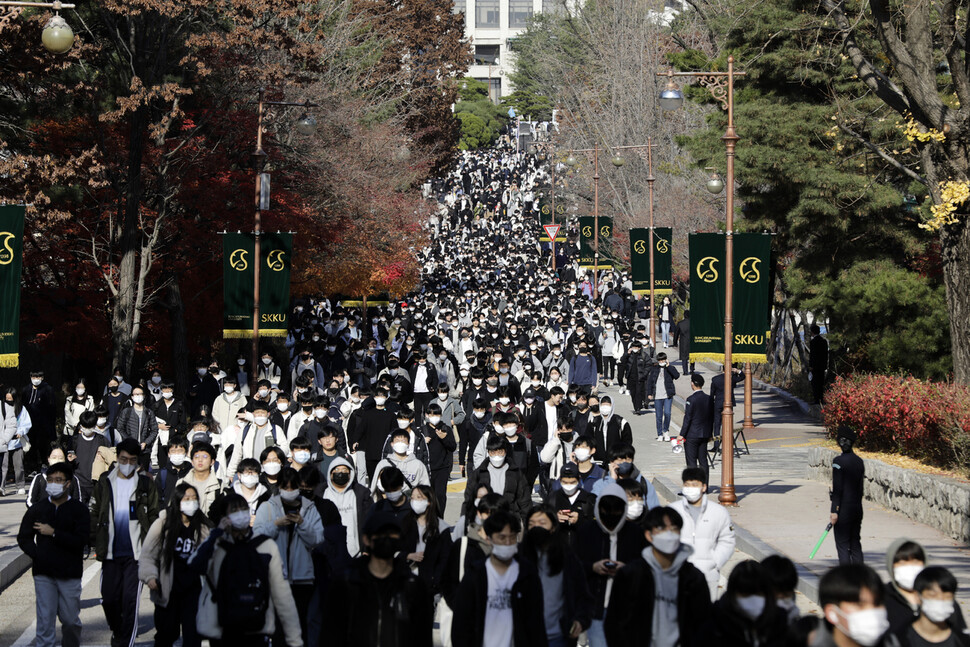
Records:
x=242, y=594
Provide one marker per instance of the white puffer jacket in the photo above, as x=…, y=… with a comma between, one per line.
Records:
x=712, y=537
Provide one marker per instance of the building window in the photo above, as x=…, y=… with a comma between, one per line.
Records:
x=520, y=11
x=486, y=54
x=495, y=89
x=459, y=6
x=486, y=14
x=552, y=6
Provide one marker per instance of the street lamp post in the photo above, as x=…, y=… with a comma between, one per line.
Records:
x=549, y=150
x=305, y=125
x=721, y=87
x=57, y=37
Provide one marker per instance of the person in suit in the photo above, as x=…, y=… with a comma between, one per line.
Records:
x=717, y=395
x=818, y=362
x=698, y=425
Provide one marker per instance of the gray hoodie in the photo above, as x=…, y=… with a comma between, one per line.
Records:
x=346, y=503
x=666, y=631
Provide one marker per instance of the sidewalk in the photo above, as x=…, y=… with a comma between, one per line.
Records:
x=13, y=563
x=779, y=510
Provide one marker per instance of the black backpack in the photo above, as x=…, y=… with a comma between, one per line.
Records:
x=243, y=591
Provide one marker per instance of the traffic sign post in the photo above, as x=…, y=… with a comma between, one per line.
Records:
x=552, y=231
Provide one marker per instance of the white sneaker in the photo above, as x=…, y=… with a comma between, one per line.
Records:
x=21, y=491
x=666, y=438
x=660, y=439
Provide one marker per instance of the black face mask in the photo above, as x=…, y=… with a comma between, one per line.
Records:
x=340, y=479
x=624, y=469
x=384, y=546
x=567, y=437
x=539, y=536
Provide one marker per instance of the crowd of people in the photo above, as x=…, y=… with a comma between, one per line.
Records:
x=302, y=501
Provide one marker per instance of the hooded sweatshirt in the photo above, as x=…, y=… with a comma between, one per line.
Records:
x=610, y=489
x=346, y=503
x=666, y=631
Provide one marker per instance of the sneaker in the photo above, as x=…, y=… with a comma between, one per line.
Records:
x=21, y=491
x=666, y=438
x=660, y=439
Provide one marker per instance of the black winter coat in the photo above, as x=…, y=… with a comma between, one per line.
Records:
x=726, y=626
x=468, y=626
x=592, y=545
x=62, y=555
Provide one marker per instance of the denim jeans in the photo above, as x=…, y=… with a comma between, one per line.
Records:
x=597, y=638
x=663, y=415
x=665, y=331
x=56, y=598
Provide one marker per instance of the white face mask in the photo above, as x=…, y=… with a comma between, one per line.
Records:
x=137, y=399
x=289, y=495
x=393, y=497
x=478, y=414
x=510, y=431
x=87, y=432
x=606, y=410
x=239, y=519
x=419, y=505
x=168, y=395
x=272, y=468
x=380, y=401
x=80, y=391
x=503, y=400
x=229, y=388
x=496, y=461
x=433, y=420
x=504, y=553
x=302, y=456
x=282, y=407
x=403, y=424
x=634, y=509
x=241, y=362
x=751, y=605
x=176, y=459
x=569, y=489
x=189, y=508
x=55, y=490
x=35, y=381
x=260, y=420
x=267, y=361
x=666, y=541
x=442, y=396
x=156, y=379
x=692, y=494
x=477, y=381
x=400, y=448
x=249, y=480
x=263, y=393
x=935, y=610
x=320, y=414
x=582, y=454
x=905, y=575
x=102, y=422
x=866, y=627
x=127, y=469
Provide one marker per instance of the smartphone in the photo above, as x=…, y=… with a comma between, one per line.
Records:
x=610, y=565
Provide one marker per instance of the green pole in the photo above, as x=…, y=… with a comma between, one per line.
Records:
x=820, y=540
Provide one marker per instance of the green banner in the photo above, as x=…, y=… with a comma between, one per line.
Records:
x=640, y=259
x=663, y=260
x=274, y=284
x=587, y=241
x=706, y=252
x=11, y=265
x=545, y=218
x=752, y=297
x=751, y=310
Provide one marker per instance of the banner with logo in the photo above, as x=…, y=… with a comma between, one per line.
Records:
x=545, y=218
x=274, y=284
x=640, y=260
x=706, y=253
x=587, y=241
x=662, y=260
x=752, y=297
x=11, y=265
x=751, y=312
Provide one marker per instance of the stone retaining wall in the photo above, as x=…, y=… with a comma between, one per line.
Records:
x=936, y=501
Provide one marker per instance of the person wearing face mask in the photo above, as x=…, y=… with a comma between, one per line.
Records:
x=269, y=370
x=163, y=567
x=557, y=451
x=905, y=559
x=228, y=404
x=470, y=433
x=848, y=477
x=352, y=499
x=87, y=444
x=123, y=507
x=658, y=593
x=783, y=579
x=852, y=600
x=660, y=388
x=424, y=378
x=499, y=473
x=707, y=527
x=744, y=615
x=635, y=509
x=584, y=454
x=253, y=438
x=378, y=600
x=293, y=522
x=557, y=368
x=304, y=361
x=604, y=545
x=416, y=442
x=611, y=429
x=76, y=404
x=170, y=412
x=53, y=534
x=202, y=476
x=371, y=429
x=440, y=439
x=38, y=400
x=427, y=542
x=175, y=468
x=138, y=422
x=226, y=606
x=621, y=466
x=573, y=505
x=936, y=587
x=203, y=388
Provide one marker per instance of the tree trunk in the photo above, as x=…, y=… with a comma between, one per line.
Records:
x=123, y=316
x=180, y=349
x=955, y=248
